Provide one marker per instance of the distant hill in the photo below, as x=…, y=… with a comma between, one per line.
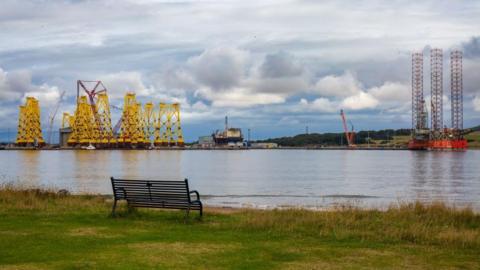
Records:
x=336, y=139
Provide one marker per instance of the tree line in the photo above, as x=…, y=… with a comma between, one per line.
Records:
x=336, y=139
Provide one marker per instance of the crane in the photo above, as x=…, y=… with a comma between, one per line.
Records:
x=349, y=134
x=91, y=93
x=119, y=122
x=52, y=117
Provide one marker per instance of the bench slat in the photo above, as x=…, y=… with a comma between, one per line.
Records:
x=155, y=194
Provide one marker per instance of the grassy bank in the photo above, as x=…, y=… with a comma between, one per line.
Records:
x=42, y=230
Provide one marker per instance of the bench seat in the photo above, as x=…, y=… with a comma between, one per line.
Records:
x=156, y=194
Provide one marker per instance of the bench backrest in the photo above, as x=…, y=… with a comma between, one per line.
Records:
x=151, y=190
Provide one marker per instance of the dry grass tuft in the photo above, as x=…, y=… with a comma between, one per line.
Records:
x=417, y=222
x=19, y=198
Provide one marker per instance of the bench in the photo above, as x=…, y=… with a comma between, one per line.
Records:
x=155, y=194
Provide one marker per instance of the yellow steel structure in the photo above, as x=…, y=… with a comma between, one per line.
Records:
x=168, y=128
x=103, y=120
x=149, y=122
x=84, y=130
x=132, y=128
x=91, y=124
x=29, y=131
x=139, y=127
x=68, y=120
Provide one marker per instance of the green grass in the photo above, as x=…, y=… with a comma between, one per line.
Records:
x=473, y=139
x=42, y=230
x=397, y=141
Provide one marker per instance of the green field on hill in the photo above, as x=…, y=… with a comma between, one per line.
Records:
x=381, y=138
x=473, y=139
x=42, y=230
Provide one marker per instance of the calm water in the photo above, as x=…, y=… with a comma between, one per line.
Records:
x=263, y=178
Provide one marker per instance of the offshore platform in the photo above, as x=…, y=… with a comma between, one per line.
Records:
x=29, y=132
x=438, y=136
x=91, y=127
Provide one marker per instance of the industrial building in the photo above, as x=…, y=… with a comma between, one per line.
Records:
x=228, y=136
x=206, y=141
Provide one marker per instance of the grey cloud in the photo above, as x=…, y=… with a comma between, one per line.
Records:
x=471, y=49
x=280, y=64
x=14, y=84
x=282, y=85
x=153, y=40
x=219, y=68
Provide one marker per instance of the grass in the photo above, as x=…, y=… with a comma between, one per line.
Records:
x=473, y=139
x=43, y=230
x=397, y=141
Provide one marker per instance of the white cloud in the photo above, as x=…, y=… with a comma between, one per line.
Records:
x=360, y=101
x=317, y=105
x=239, y=97
x=199, y=106
x=476, y=103
x=16, y=86
x=228, y=76
x=391, y=92
x=13, y=85
x=47, y=95
x=175, y=49
x=338, y=86
x=219, y=68
x=118, y=84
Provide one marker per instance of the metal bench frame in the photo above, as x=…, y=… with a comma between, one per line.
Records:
x=155, y=194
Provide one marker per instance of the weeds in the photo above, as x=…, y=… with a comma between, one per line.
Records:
x=59, y=230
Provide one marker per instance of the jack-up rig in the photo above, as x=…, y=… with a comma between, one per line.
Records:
x=438, y=136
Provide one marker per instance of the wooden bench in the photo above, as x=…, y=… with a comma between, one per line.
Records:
x=155, y=194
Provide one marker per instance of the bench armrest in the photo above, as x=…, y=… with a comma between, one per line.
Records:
x=196, y=192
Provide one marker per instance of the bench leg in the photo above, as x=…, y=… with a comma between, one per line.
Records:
x=201, y=209
x=114, y=207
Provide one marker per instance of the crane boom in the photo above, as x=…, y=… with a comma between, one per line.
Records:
x=52, y=117
x=348, y=135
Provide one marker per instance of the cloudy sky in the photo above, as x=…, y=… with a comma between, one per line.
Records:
x=272, y=66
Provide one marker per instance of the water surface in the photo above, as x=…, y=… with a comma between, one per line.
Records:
x=263, y=178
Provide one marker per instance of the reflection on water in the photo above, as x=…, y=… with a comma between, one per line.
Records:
x=263, y=177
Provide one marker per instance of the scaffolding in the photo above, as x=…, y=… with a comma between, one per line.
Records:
x=84, y=129
x=168, y=126
x=103, y=120
x=132, y=128
x=418, y=103
x=149, y=122
x=138, y=126
x=456, y=84
x=436, y=65
x=29, y=131
x=68, y=120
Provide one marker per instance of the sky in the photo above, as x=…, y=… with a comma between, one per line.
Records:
x=274, y=67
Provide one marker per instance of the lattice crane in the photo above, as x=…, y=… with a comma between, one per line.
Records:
x=52, y=117
x=349, y=134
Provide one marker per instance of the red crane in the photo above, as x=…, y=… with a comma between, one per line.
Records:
x=349, y=134
x=98, y=88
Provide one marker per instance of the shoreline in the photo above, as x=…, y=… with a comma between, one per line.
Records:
x=235, y=208
x=360, y=148
x=46, y=230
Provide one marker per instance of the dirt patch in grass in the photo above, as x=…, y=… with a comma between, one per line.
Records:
x=101, y=232
x=177, y=254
